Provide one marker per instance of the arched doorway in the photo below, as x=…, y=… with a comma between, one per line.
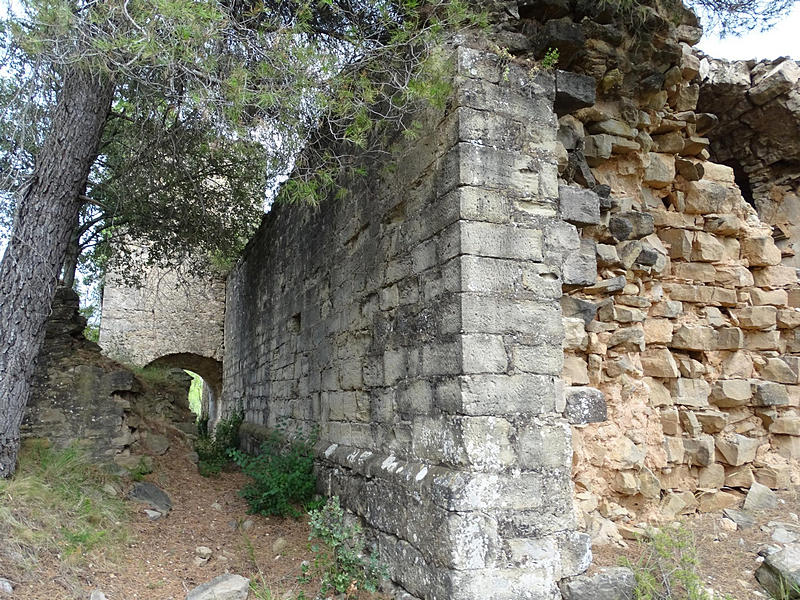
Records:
x=209, y=369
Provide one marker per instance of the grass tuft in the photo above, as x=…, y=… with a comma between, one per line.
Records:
x=58, y=509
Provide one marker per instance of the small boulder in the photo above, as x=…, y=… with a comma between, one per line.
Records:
x=148, y=493
x=780, y=573
x=759, y=498
x=6, y=587
x=224, y=587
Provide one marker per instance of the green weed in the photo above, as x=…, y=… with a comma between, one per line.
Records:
x=282, y=474
x=340, y=562
x=550, y=59
x=667, y=569
x=213, y=450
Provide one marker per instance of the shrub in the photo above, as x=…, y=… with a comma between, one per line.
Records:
x=282, y=474
x=667, y=569
x=213, y=449
x=339, y=559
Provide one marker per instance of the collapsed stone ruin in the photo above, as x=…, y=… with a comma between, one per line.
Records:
x=570, y=306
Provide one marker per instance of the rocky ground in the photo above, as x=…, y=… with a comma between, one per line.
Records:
x=731, y=545
x=207, y=533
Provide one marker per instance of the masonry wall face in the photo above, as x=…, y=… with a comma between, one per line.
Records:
x=170, y=314
x=417, y=325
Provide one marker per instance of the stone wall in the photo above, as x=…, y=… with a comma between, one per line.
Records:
x=690, y=328
x=759, y=136
x=417, y=325
x=171, y=319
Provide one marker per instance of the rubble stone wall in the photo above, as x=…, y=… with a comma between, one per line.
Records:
x=416, y=325
x=758, y=104
x=690, y=328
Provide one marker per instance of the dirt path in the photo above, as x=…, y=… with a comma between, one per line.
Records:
x=159, y=562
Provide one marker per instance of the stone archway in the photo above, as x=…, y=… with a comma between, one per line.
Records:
x=206, y=367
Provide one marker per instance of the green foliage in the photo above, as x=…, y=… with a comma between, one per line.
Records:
x=282, y=474
x=214, y=102
x=550, y=59
x=667, y=569
x=141, y=469
x=196, y=393
x=339, y=561
x=213, y=450
x=58, y=503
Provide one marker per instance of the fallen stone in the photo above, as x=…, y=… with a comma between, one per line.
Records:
x=224, y=587
x=5, y=586
x=743, y=520
x=759, y=498
x=148, y=493
x=153, y=515
x=617, y=583
x=784, y=536
x=203, y=552
x=780, y=573
x=97, y=595
x=156, y=443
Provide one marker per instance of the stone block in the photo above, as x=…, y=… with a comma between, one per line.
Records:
x=760, y=251
x=755, y=317
x=715, y=502
x=788, y=446
x=706, y=197
x=575, y=336
x=759, y=297
x=597, y=148
x=694, y=271
x=699, y=451
x=495, y=240
x=657, y=331
x=580, y=268
x=711, y=477
x=690, y=392
x=693, y=337
x=788, y=318
x=607, y=286
x=579, y=206
x=707, y=248
x=659, y=170
x=779, y=371
x=573, y=91
x=762, y=340
x=669, y=309
x=786, y=426
x=575, y=371
x=779, y=80
x=769, y=394
x=737, y=450
x=775, y=277
x=659, y=362
x=631, y=225
x=728, y=338
x=585, y=405
x=630, y=339
x=712, y=421
x=674, y=449
x=739, y=477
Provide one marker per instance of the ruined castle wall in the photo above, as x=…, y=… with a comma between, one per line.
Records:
x=690, y=328
x=758, y=104
x=416, y=324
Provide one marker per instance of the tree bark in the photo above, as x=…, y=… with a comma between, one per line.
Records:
x=47, y=213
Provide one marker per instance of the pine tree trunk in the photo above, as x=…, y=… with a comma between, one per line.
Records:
x=47, y=213
x=71, y=260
